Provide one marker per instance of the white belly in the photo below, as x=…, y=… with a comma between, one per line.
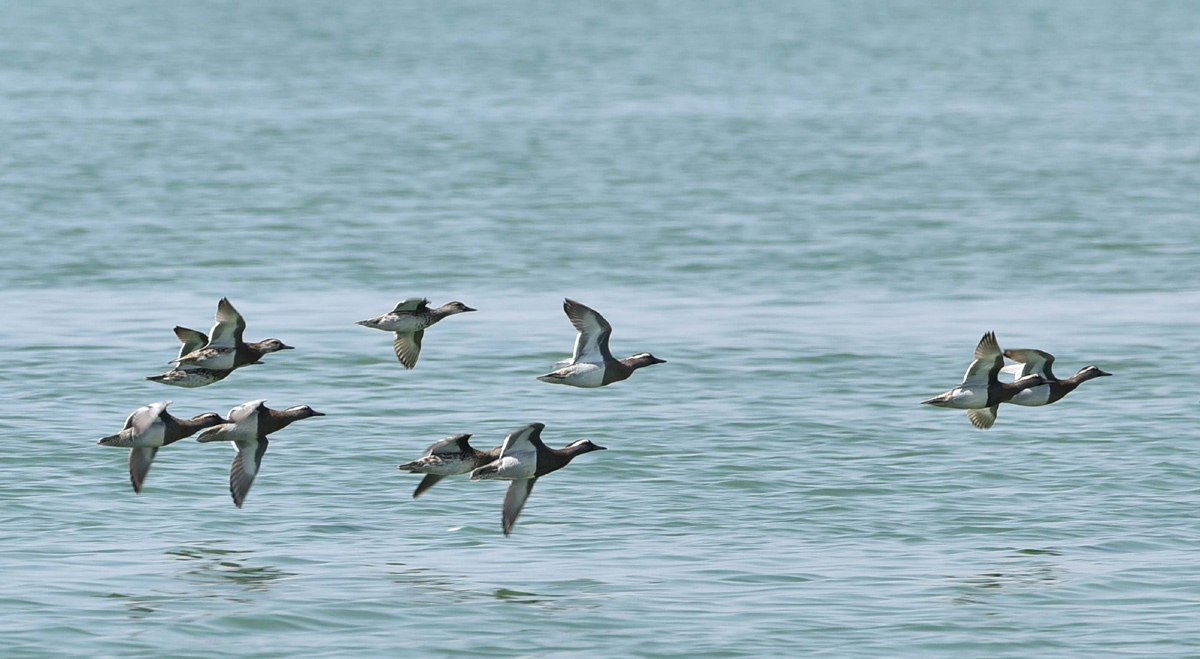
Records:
x=967, y=399
x=583, y=375
x=220, y=360
x=153, y=436
x=517, y=466
x=1033, y=397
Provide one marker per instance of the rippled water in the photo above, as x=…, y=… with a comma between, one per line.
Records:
x=811, y=210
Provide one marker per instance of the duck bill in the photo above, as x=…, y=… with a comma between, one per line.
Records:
x=316, y=413
x=1102, y=373
x=466, y=309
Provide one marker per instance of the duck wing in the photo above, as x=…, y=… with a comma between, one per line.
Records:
x=983, y=418
x=591, y=345
x=514, y=500
x=243, y=425
x=429, y=481
x=452, y=444
x=140, y=459
x=411, y=304
x=988, y=362
x=408, y=347
x=143, y=419
x=245, y=467
x=1036, y=362
x=227, y=332
x=192, y=340
x=523, y=440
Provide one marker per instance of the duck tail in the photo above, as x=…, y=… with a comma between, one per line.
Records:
x=936, y=400
x=122, y=439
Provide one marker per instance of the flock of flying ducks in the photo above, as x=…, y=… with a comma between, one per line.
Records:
x=982, y=391
x=521, y=459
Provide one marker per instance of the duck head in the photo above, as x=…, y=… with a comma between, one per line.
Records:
x=271, y=345
x=303, y=412
x=208, y=420
x=583, y=446
x=1090, y=372
x=451, y=308
x=642, y=359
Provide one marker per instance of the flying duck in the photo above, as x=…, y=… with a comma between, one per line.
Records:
x=981, y=391
x=448, y=457
x=408, y=321
x=149, y=428
x=248, y=427
x=592, y=364
x=523, y=459
x=1035, y=362
x=225, y=350
x=186, y=375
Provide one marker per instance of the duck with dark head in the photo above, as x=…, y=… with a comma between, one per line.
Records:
x=1031, y=363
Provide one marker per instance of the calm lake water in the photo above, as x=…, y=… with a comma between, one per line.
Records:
x=811, y=210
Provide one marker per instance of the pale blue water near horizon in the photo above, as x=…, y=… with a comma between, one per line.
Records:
x=811, y=210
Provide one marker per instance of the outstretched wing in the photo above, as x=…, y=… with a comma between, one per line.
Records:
x=143, y=418
x=192, y=340
x=244, y=468
x=243, y=425
x=140, y=460
x=988, y=362
x=411, y=304
x=984, y=418
x=408, y=347
x=514, y=501
x=429, y=481
x=1036, y=362
x=523, y=440
x=591, y=345
x=451, y=444
x=227, y=332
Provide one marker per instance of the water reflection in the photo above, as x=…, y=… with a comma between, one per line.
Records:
x=214, y=565
x=985, y=585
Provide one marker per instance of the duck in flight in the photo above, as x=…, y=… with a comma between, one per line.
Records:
x=248, y=427
x=981, y=390
x=150, y=428
x=448, y=457
x=1037, y=363
x=523, y=459
x=224, y=349
x=187, y=375
x=592, y=364
x=409, y=321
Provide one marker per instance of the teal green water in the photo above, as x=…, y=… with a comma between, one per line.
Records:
x=811, y=210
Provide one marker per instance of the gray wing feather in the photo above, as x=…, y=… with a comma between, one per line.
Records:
x=241, y=476
x=452, y=444
x=429, y=481
x=229, y=327
x=1036, y=362
x=140, y=460
x=408, y=347
x=192, y=340
x=984, y=418
x=514, y=501
x=591, y=345
x=411, y=304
